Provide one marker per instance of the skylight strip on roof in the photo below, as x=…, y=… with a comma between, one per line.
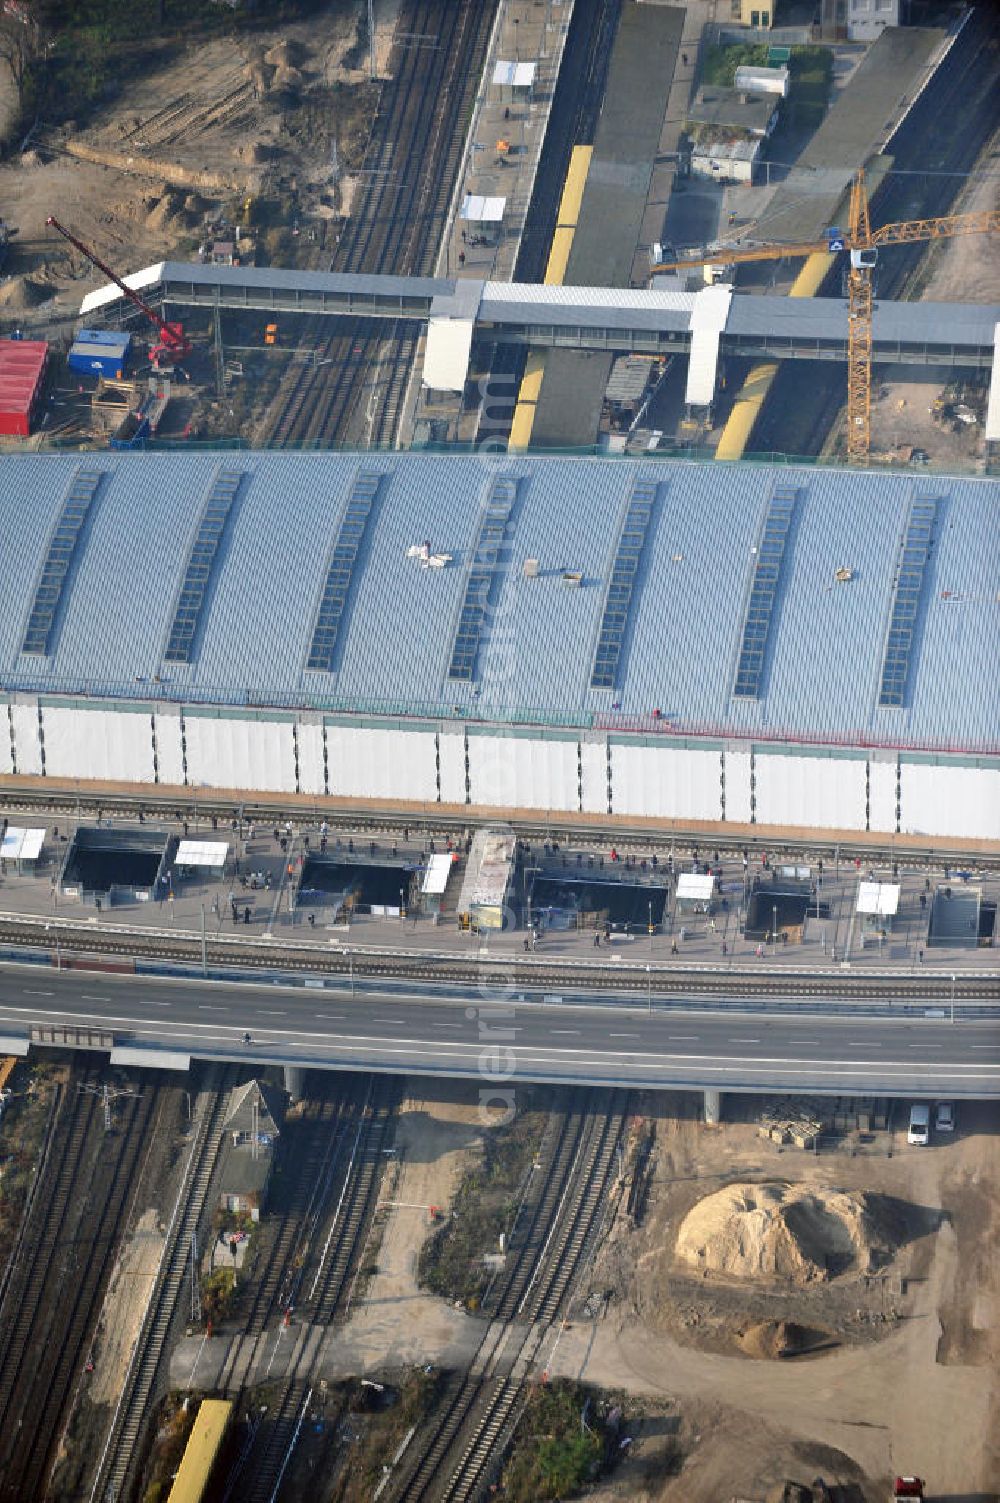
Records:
x=201, y=565
x=770, y=558
x=489, y=542
x=342, y=567
x=621, y=586
x=911, y=574
x=63, y=547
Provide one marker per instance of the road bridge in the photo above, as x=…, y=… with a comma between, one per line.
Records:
x=496, y=1038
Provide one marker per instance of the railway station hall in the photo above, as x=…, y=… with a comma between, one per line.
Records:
x=735, y=644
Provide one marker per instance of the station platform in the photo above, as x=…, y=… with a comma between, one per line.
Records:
x=824, y=941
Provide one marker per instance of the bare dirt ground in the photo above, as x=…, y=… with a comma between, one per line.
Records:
x=915, y=1393
x=124, y=1307
x=964, y=269
x=439, y=1133
x=187, y=138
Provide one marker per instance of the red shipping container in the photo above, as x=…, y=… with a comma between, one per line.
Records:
x=22, y=374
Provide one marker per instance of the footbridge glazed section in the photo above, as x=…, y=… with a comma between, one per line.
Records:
x=655, y=320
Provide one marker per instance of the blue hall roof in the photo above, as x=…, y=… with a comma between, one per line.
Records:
x=685, y=613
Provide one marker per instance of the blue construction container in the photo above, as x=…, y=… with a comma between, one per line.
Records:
x=100, y=352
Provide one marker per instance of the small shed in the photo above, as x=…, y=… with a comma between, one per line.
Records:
x=750, y=80
x=252, y=1131
x=726, y=161
x=722, y=109
x=22, y=376
x=100, y=352
x=696, y=892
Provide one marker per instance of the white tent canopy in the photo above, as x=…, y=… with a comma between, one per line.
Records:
x=695, y=886
x=211, y=853
x=437, y=874
x=514, y=75
x=22, y=845
x=879, y=898
x=477, y=209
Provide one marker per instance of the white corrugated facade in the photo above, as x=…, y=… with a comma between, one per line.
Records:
x=422, y=763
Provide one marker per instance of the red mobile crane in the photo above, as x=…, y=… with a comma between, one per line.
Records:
x=173, y=345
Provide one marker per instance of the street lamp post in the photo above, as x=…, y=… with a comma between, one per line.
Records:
x=402, y=909
x=650, y=928
x=649, y=990
x=953, y=999
x=774, y=929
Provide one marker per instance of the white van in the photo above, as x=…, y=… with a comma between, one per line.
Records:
x=920, y=1125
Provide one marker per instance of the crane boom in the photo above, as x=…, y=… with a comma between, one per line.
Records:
x=863, y=244
x=172, y=339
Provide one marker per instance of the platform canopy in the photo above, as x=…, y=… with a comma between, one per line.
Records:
x=477, y=209
x=514, y=75
x=695, y=886
x=22, y=845
x=210, y=853
x=879, y=898
x=437, y=874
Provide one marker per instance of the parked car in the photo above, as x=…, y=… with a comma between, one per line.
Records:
x=920, y=1125
x=944, y=1117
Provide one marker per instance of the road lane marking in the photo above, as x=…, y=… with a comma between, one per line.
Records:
x=446, y=1025
x=29, y=993
x=265, y=1013
x=682, y=1038
x=574, y=1031
x=744, y=1041
x=925, y=1046
x=85, y=998
x=623, y=1035
x=334, y=1017
x=207, y=1007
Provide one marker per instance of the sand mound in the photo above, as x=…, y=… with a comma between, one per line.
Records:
x=284, y=55
x=21, y=292
x=169, y=212
x=770, y=1340
x=287, y=78
x=791, y=1232
x=30, y=158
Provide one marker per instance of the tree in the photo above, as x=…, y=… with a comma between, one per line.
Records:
x=18, y=49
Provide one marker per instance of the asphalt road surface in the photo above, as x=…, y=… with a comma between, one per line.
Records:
x=500, y=1040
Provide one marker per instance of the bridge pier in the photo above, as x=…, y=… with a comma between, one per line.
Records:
x=294, y=1077
x=713, y=1107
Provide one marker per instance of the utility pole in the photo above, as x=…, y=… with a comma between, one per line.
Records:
x=371, y=39
x=204, y=945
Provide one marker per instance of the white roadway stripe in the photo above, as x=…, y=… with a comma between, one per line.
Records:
x=566, y=1053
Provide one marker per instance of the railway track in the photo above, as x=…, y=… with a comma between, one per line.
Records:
x=412, y=158
x=555, y=1225
x=324, y=1295
x=65, y=1257
x=118, y=1461
x=311, y=1159
x=531, y=973
x=807, y=404
x=73, y=802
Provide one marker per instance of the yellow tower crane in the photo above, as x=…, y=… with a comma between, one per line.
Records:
x=862, y=244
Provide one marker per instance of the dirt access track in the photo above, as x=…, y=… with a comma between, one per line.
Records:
x=281, y=113
x=920, y=1393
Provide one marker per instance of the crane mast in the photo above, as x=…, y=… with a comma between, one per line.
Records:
x=173, y=344
x=862, y=244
